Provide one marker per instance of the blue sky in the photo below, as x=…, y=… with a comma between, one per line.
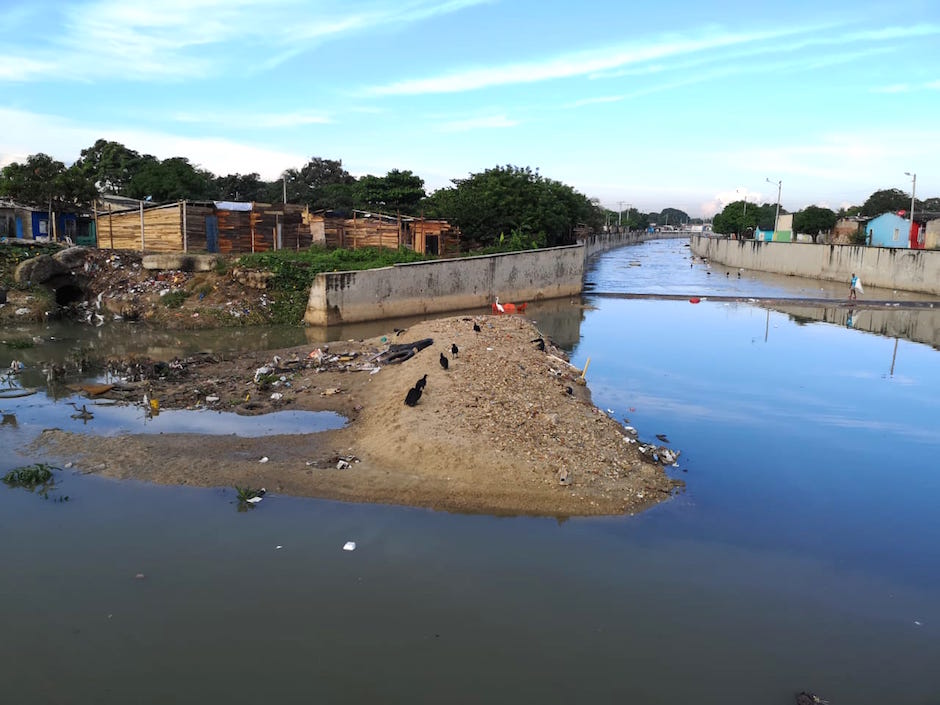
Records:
x=672, y=104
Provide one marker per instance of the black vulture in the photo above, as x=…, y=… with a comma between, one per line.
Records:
x=444, y=361
x=412, y=397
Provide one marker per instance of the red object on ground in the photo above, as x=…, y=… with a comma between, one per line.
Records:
x=510, y=308
x=694, y=300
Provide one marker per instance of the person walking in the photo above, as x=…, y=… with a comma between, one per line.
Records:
x=854, y=287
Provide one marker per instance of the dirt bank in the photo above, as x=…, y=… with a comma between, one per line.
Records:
x=505, y=429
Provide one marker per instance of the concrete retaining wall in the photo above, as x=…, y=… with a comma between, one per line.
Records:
x=887, y=268
x=435, y=286
x=444, y=285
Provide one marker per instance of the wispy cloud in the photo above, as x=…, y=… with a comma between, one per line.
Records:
x=180, y=39
x=31, y=132
x=574, y=64
x=478, y=123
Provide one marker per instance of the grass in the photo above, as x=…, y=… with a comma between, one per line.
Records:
x=294, y=272
x=174, y=299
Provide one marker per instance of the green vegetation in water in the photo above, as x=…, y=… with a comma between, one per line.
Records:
x=294, y=272
x=18, y=343
x=246, y=493
x=175, y=299
x=29, y=476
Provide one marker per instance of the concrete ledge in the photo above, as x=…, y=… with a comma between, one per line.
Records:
x=182, y=262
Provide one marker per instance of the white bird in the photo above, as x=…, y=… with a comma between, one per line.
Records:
x=499, y=306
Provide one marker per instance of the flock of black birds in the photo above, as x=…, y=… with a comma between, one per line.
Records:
x=414, y=394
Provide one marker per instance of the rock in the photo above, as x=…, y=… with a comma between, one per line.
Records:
x=71, y=257
x=38, y=270
x=181, y=262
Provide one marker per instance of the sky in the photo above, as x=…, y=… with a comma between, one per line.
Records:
x=678, y=104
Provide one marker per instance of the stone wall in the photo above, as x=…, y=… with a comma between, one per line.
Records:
x=887, y=268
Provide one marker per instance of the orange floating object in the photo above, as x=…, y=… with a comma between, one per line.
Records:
x=509, y=308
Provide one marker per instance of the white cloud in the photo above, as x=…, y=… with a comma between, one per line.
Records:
x=570, y=65
x=184, y=39
x=27, y=133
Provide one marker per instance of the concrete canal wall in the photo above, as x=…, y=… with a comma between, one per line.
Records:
x=435, y=286
x=884, y=267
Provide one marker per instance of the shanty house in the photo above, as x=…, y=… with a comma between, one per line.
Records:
x=209, y=226
x=367, y=229
x=25, y=222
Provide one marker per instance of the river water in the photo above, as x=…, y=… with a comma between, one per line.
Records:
x=803, y=554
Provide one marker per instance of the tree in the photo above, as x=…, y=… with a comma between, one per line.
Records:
x=813, y=220
x=45, y=182
x=320, y=183
x=242, y=187
x=110, y=166
x=172, y=179
x=737, y=217
x=516, y=203
x=886, y=201
x=396, y=192
x=670, y=216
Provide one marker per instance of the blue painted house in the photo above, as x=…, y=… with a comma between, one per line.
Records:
x=888, y=230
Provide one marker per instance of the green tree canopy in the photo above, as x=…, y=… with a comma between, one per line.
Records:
x=396, y=192
x=814, y=220
x=110, y=166
x=737, y=217
x=670, y=216
x=242, y=187
x=172, y=179
x=43, y=181
x=513, y=202
x=886, y=201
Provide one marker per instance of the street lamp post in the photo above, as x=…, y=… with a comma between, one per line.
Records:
x=777, y=214
x=913, y=191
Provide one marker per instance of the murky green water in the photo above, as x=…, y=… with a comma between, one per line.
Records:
x=804, y=554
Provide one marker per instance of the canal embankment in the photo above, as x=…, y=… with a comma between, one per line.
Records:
x=419, y=288
x=883, y=267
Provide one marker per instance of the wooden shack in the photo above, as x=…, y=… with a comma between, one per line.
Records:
x=367, y=229
x=210, y=226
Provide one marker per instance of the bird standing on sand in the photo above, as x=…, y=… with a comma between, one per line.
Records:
x=476, y=328
x=499, y=306
x=413, y=395
x=444, y=361
x=454, y=350
x=421, y=383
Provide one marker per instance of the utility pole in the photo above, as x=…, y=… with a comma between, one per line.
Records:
x=284, y=182
x=619, y=212
x=777, y=214
x=913, y=190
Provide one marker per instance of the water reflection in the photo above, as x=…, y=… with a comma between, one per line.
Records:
x=919, y=325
